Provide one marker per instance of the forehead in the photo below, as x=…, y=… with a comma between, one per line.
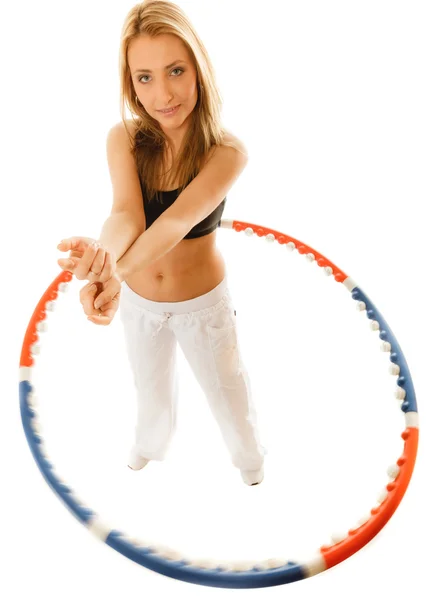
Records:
x=155, y=53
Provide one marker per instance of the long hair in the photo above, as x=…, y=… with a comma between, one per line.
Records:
x=153, y=18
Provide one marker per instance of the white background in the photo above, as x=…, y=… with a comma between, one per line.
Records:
x=332, y=100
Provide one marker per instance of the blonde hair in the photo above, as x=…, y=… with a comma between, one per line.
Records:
x=156, y=17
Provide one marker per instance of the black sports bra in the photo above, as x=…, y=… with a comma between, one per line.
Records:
x=154, y=209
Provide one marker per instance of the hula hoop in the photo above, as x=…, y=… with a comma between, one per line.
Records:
x=238, y=574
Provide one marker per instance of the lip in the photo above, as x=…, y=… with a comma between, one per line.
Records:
x=170, y=114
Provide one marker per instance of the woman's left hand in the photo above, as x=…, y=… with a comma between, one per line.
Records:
x=88, y=299
x=110, y=292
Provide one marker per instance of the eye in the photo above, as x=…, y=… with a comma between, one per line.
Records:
x=176, y=69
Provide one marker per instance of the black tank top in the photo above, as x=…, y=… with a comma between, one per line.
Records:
x=155, y=208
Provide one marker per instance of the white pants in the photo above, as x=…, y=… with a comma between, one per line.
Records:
x=205, y=329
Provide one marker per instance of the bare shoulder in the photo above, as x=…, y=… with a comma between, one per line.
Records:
x=231, y=149
x=122, y=134
x=131, y=126
x=233, y=141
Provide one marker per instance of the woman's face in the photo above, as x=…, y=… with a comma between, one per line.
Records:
x=163, y=77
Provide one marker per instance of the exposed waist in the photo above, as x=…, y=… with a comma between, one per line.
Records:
x=178, y=284
x=184, y=306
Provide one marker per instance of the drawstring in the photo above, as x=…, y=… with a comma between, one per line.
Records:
x=166, y=318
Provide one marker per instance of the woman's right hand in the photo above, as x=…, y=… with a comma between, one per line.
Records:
x=96, y=263
x=103, y=315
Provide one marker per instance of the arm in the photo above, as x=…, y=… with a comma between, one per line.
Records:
x=127, y=219
x=163, y=235
x=119, y=231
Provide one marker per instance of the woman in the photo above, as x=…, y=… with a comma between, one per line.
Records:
x=170, y=171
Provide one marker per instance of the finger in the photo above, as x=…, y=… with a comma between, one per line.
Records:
x=78, y=243
x=99, y=320
x=87, y=296
x=105, y=307
x=98, y=263
x=83, y=267
x=105, y=315
x=107, y=294
x=113, y=304
x=108, y=268
x=67, y=264
x=84, y=292
x=102, y=300
x=99, y=260
x=76, y=253
x=70, y=264
x=109, y=312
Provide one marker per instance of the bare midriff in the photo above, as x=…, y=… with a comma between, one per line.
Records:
x=192, y=268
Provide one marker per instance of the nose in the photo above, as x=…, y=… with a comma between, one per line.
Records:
x=164, y=94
